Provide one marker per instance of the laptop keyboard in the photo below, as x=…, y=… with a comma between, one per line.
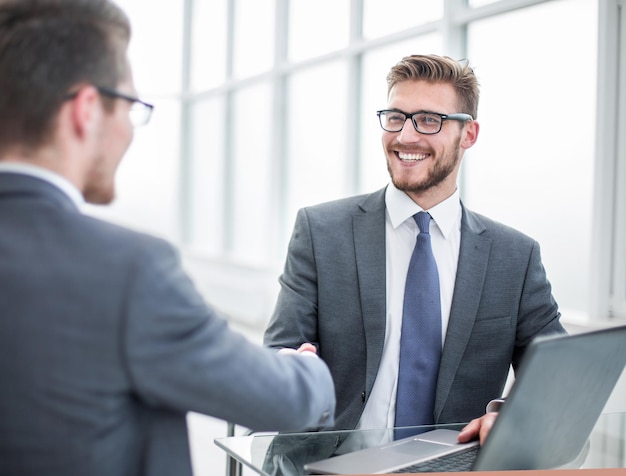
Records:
x=461, y=461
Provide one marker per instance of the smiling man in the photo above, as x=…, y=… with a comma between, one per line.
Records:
x=431, y=342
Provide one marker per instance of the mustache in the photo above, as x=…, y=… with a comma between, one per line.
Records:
x=410, y=150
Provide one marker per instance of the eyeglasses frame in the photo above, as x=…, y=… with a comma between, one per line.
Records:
x=112, y=93
x=459, y=116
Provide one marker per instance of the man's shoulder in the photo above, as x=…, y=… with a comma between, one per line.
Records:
x=491, y=228
x=109, y=235
x=365, y=202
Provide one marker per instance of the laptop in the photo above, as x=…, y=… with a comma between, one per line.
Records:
x=561, y=387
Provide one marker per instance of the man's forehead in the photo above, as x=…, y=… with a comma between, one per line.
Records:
x=422, y=94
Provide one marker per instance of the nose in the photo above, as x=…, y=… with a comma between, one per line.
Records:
x=409, y=134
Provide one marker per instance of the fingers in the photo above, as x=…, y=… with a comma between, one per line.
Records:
x=287, y=350
x=478, y=428
x=471, y=431
x=307, y=347
x=304, y=348
x=487, y=423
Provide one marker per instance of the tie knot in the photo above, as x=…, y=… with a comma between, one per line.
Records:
x=423, y=221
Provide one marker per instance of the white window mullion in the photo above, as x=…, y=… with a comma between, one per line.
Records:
x=604, y=227
x=618, y=295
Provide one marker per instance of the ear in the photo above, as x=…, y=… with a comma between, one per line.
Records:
x=86, y=111
x=470, y=134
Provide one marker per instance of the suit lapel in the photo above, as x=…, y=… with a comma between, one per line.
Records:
x=470, y=278
x=369, y=244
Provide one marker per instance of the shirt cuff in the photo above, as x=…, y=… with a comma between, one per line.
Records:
x=494, y=405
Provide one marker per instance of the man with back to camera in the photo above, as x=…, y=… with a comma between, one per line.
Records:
x=343, y=285
x=104, y=342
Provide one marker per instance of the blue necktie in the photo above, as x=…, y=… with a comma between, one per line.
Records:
x=420, y=342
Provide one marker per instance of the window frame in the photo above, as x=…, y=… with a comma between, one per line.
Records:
x=609, y=227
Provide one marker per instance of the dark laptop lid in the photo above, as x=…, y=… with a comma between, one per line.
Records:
x=561, y=388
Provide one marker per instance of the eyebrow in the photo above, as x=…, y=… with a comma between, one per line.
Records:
x=421, y=111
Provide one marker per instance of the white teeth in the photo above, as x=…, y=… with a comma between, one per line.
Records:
x=413, y=157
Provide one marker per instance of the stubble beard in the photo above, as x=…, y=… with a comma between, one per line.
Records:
x=99, y=188
x=438, y=173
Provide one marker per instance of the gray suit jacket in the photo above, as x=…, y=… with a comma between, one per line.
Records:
x=333, y=293
x=105, y=345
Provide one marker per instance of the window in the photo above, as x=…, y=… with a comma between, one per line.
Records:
x=535, y=152
x=317, y=28
x=250, y=185
x=265, y=106
x=316, y=132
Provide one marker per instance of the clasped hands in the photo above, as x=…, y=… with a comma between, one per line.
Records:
x=305, y=349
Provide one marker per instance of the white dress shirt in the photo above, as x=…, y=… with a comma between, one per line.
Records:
x=400, y=235
x=46, y=175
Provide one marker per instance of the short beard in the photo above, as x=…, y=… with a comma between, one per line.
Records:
x=96, y=189
x=440, y=171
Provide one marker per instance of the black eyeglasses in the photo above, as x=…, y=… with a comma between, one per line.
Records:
x=140, y=111
x=425, y=122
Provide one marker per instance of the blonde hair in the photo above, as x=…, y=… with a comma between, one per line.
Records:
x=439, y=69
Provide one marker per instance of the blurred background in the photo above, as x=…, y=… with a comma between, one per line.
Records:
x=265, y=106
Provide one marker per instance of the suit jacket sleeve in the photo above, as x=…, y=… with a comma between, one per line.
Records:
x=182, y=356
x=333, y=295
x=295, y=315
x=539, y=314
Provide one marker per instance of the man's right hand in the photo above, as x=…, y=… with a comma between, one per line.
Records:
x=303, y=349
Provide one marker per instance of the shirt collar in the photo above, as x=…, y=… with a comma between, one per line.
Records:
x=46, y=175
x=445, y=214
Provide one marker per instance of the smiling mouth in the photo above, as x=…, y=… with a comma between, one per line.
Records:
x=406, y=157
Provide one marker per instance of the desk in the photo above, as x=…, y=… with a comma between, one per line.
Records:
x=271, y=454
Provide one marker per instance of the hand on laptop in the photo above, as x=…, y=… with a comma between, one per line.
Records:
x=478, y=428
